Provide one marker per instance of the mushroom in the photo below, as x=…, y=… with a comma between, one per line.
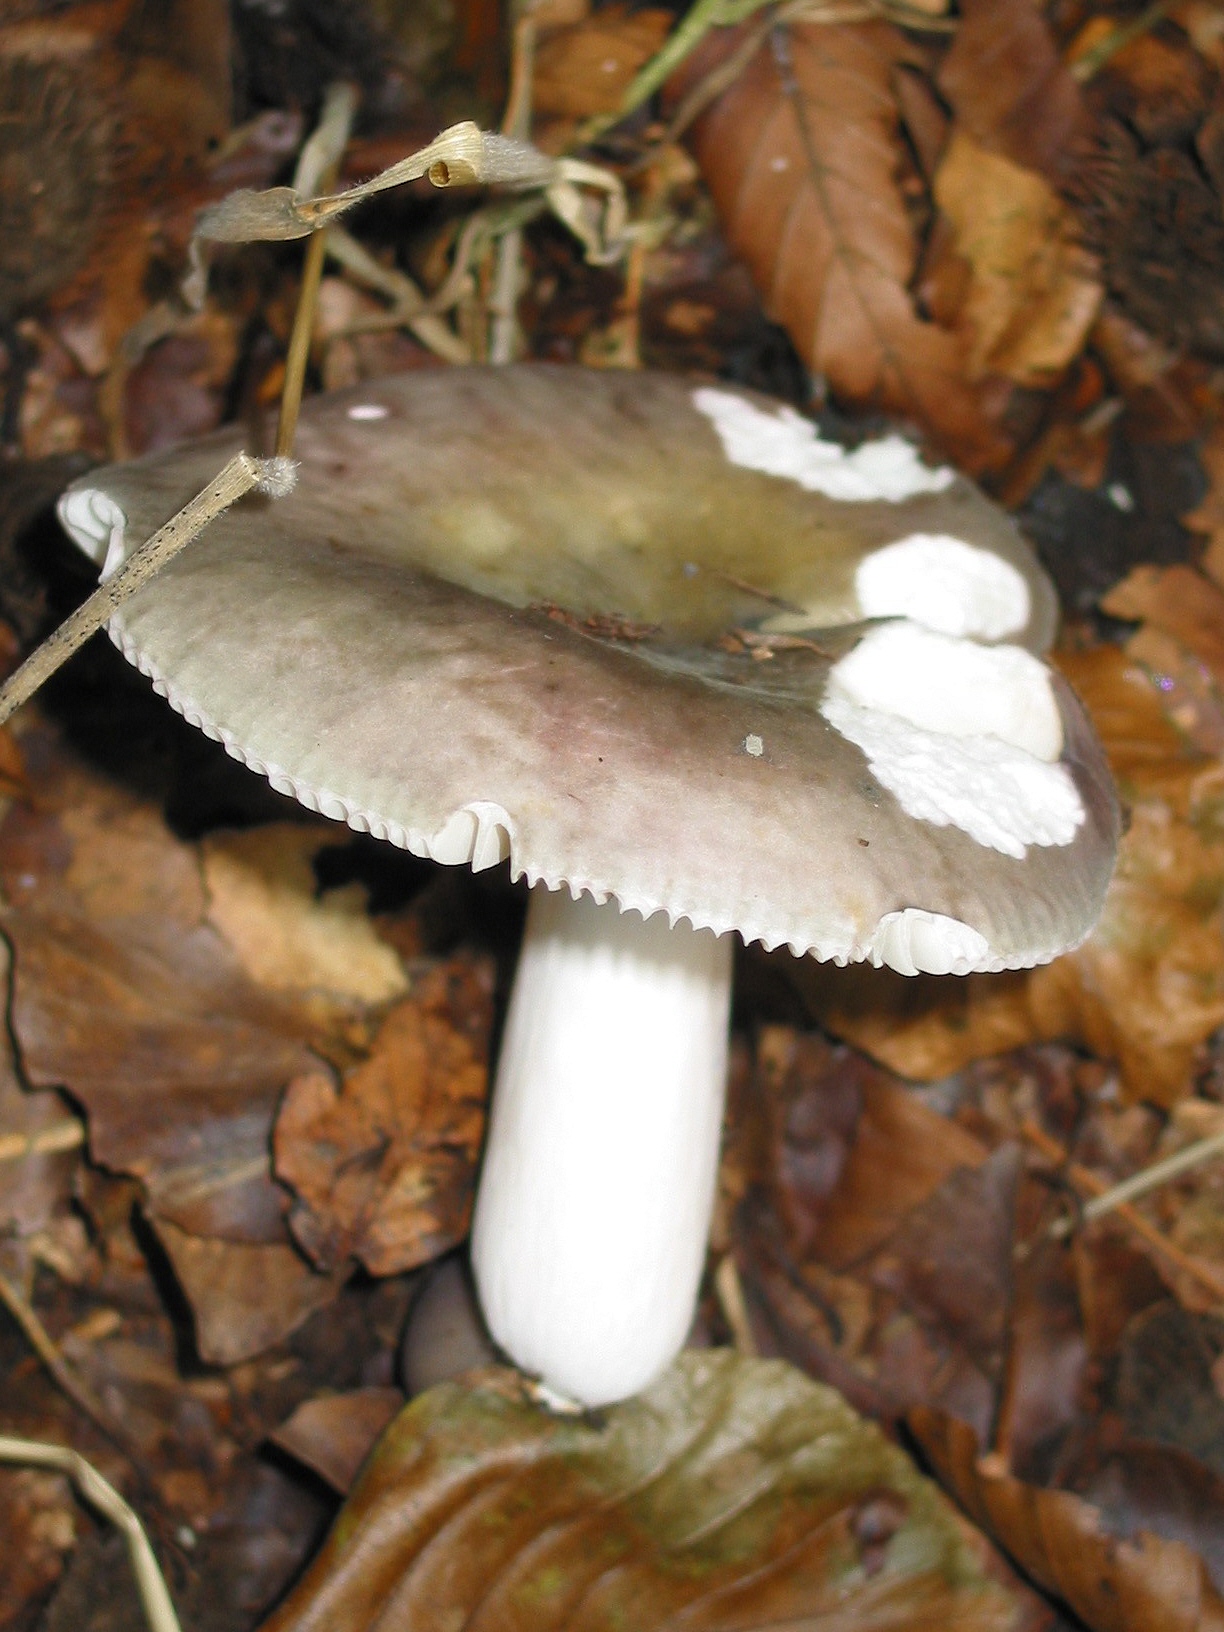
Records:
x=493, y=623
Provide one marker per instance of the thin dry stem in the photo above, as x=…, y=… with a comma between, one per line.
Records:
x=60, y=1136
x=101, y=1494
x=1086, y=1182
x=239, y=476
x=317, y=170
x=66, y=1379
x=730, y=1292
x=1151, y=1178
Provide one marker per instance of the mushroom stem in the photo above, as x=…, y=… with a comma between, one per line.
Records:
x=599, y=1172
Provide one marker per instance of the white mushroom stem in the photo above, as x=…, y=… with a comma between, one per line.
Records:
x=602, y=1154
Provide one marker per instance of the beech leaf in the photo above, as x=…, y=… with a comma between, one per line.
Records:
x=802, y=155
x=732, y=1494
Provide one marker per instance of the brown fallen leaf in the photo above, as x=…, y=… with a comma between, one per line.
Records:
x=263, y=898
x=1033, y=293
x=875, y=1242
x=584, y=69
x=124, y=994
x=1179, y=600
x=384, y=1169
x=108, y=122
x=1061, y=1542
x=334, y=1433
x=38, y=1523
x=801, y=155
x=245, y=1297
x=846, y=1152
x=732, y=1494
x=1009, y=87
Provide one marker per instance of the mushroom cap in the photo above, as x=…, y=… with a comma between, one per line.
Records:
x=374, y=644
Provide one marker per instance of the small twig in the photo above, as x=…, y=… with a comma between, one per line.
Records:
x=318, y=168
x=505, y=337
x=101, y=1494
x=712, y=85
x=66, y=1379
x=409, y=308
x=1094, y=59
x=1086, y=1181
x=273, y=476
x=1149, y=1178
x=730, y=1292
x=60, y=1136
x=516, y=119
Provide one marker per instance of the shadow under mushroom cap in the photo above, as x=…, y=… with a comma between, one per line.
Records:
x=325, y=641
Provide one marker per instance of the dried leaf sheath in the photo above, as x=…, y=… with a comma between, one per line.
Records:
x=801, y=155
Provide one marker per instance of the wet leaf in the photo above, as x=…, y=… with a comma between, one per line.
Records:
x=384, y=1170
x=732, y=1494
x=1033, y=293
x=1061, y=1542
x=802, y=155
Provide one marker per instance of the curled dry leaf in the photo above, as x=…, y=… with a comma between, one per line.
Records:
x=385, y=1169
x=802, y=155
x=1060, y=1541
x=732, y=1494
x=1147, y=988
x=1032, y=293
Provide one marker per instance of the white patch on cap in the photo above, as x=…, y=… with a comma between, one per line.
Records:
x=96, y=524
x=944, y=584
x=963, y=735
x=916, y=942
x=368, y=410
x=785, y=444
x=954, y=687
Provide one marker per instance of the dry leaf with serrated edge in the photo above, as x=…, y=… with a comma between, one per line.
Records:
x=801, y=155
x=1033, y=293
x=732, y=1494
x=384, y=1170
x=1060, y=1541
